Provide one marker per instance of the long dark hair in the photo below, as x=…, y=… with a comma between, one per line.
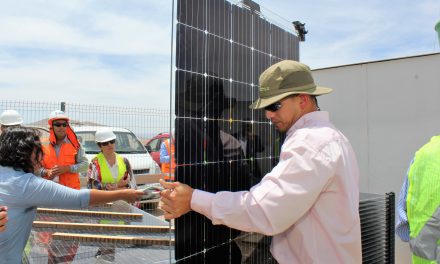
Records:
x=16, y=147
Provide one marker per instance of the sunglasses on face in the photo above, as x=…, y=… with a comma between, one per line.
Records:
x=60, y=124
x=277, y=105
x=273, y=107
x=108, y=142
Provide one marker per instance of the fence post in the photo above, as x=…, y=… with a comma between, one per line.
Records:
x=63, y=106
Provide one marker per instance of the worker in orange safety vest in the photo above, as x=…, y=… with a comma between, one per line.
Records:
x=167, y=158
x=64, y=158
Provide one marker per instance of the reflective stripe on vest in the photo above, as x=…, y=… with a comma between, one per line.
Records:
x=66, y=156
x=106, y=175
x=166, y=165
x=423, y=202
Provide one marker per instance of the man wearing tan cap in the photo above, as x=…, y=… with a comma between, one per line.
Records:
x=309, y=201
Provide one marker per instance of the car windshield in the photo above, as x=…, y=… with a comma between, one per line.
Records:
x=126, y=142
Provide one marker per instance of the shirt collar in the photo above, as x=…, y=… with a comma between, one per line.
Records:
x=65, y=140
x=305, y=119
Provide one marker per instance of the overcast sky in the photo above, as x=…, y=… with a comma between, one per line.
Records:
x=117, y=52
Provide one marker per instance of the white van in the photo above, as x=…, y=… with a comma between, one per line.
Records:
x=127, y=145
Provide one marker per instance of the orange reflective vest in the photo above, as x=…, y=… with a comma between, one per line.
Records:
x=67, y=156
x=166, y=165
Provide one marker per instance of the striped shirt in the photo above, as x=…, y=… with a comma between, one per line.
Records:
x=402, y=225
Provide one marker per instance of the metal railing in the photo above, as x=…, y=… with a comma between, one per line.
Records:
x=145, y=123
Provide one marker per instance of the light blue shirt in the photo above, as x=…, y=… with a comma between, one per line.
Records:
x=164, y=156
x=402, y=226
x=22, y=192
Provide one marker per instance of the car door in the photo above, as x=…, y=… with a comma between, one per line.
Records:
x=154, y=146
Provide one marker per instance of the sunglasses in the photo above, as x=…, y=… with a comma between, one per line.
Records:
x=60, y=124
x=273, y=107
x=108, y=142
x=277, y=105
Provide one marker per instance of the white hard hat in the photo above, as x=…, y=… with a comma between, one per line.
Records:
x=104, y=135
x=57, y=114
x=10, y=118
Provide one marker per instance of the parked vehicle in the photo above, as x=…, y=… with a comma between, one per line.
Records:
x=127, y=145
x=44, y=133
x=153, y=146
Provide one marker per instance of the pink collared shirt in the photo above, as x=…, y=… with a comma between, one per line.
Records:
x=309, y=202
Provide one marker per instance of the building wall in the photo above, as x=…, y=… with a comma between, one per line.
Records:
x=387, y=109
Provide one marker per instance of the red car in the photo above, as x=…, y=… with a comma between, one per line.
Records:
x=153, y=146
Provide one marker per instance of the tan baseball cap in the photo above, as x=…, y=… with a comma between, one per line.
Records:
x=283, y=79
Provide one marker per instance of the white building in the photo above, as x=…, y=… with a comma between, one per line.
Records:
x=388, y=109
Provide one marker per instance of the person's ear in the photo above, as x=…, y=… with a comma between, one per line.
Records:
x=303, y=100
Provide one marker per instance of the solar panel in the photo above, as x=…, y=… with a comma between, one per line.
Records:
x=377, y=227
x=221, y=49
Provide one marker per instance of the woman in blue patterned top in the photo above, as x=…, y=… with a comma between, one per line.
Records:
x=22, y=191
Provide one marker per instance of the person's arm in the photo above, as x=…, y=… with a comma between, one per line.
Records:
x=402, y=225
x=128, y=195
x=267, y=208
x=93, y=181
x=164, y=156
x=3, y=218
x=40, y=192
x=47, y=173
x=42, y=172
x=35, y=191
x=131, y=181
x=82, y=163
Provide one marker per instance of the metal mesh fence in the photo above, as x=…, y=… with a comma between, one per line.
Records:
x=145, y=123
